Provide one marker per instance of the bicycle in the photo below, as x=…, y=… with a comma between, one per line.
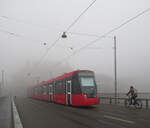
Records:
x=137, y=103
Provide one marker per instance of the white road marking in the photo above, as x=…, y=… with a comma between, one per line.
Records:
x=109, y=113
x=17, y=121
x=119, y=119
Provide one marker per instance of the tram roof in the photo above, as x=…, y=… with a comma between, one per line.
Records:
x=66, y=75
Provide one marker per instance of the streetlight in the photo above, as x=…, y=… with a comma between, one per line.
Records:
x=64, y=35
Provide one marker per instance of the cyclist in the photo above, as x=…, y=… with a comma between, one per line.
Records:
x=133, y=93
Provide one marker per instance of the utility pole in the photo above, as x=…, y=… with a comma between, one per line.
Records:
x=2, y=84
x=0, y=89
x=115, y=69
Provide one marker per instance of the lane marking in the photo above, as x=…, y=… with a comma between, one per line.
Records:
x=119, y=119
x=17, y=121
x=109, y=113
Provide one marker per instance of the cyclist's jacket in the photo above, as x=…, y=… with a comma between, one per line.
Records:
x=132, y=92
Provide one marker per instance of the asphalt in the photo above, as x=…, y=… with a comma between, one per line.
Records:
x=5, y=112
x=39, y=114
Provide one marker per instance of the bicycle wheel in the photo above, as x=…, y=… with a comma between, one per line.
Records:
x=138, y=104
x=127, y=103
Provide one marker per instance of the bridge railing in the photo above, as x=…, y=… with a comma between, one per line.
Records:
x=121, y=101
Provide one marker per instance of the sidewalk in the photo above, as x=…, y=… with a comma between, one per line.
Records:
x=5, y=112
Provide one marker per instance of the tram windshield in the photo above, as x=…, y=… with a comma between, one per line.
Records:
x=87, y=81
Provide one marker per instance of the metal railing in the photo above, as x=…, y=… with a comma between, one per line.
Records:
x=121, y=101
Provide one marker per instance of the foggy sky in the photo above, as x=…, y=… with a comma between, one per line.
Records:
x=41, y=21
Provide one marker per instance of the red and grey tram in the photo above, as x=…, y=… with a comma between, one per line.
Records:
x=77, y=88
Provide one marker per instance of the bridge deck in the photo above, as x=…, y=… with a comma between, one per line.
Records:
x=38, y=114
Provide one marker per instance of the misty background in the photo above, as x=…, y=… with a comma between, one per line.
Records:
x=29, y=27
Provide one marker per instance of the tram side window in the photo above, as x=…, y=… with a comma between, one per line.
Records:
x=41, y=90
x=64, y=86
x=59, y=88
x=47, y=89
x=44, y=90
x=35, y=92
x=50, y=88
x=38, y=90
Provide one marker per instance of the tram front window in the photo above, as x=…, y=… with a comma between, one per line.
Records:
x=87, y=81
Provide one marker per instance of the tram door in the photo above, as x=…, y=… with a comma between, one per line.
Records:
x=50, y=92
x=68, y=92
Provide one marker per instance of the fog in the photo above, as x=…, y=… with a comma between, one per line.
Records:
x=28, y=28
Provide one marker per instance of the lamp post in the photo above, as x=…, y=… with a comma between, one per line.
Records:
x=2, y=84
x=115, y=69
x=0, y=89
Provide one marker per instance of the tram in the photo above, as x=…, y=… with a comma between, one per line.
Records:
x=76, y=88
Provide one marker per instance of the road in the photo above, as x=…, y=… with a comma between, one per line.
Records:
x=39, y=114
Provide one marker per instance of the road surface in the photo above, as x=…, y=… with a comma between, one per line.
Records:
x=39, y=114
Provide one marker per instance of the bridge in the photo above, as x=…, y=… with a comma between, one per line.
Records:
x=39, y=114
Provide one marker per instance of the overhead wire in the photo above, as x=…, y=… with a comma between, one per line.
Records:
x=83, y=34
x=19, y=35
x=121, y=25
x=103, y=36
x=47, y=50
x=23, y=21
x=84, y=11
x=22, y=37
x=54, y=43
x=69, y=27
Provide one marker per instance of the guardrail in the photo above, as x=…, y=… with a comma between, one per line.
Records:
x=113, y=100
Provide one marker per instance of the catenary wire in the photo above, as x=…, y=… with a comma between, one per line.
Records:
x=18, y=35
x=24, y=22
x=84, y=11
x=103, y=36
x=55, y=42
